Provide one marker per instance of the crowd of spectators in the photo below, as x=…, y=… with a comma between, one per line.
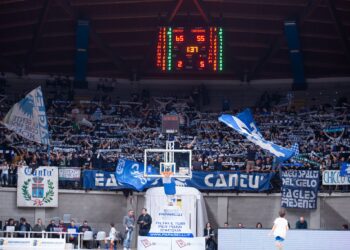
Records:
x=95, y=133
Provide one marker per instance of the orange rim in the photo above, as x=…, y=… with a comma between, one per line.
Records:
x=167, y=174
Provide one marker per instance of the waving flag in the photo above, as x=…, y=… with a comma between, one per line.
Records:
x=345, y=169
x=27, y=118
x=245, y=125
x=130, y=173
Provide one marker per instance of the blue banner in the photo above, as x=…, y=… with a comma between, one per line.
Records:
x=345, y=169
x=218, y=180
x=202, y=180
x=131, y=174
x=300, y=188
x=245, y=125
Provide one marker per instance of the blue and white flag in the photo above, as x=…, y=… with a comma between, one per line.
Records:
x=345, y=169
x=245, y=125
x=27, y=118
x=131, y=174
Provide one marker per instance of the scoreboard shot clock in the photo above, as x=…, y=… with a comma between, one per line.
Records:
x=182, y=49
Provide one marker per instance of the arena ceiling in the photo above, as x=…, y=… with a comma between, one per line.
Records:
x=38, y=36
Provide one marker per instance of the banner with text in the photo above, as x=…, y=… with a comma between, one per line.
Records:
x=299, y=188
x=333, y=177
x=257, y=182
x=69, y=174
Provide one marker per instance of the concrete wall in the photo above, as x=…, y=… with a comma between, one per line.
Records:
x=101, y=208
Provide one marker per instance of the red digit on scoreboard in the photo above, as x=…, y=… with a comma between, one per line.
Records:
x=179, y=38
x=180, y=64
x=202, y=64
x=200, y=38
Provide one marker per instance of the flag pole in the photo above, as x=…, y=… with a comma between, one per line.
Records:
x=48, y=154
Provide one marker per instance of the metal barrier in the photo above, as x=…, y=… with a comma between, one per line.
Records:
x=44, y=235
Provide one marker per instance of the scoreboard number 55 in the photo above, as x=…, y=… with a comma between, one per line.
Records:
x=200, y=38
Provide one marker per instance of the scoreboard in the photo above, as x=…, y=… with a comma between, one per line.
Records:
x=190, y=49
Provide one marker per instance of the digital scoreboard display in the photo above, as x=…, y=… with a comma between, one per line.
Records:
x=190, y=49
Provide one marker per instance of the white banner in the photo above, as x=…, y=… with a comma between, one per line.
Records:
x=69, y=174
x=159, y=243
x=332, y=177
x=37, y=189
x=20, y=243
x=188, y=243
x=153, y=243
x=170, y=222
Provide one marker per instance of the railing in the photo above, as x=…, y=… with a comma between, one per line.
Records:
x=44, y=235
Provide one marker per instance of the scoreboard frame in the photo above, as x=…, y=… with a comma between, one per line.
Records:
x=190, y=49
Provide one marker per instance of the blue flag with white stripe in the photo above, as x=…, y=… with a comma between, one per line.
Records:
x=245, y=125
x=345, y=169
x=131, y=174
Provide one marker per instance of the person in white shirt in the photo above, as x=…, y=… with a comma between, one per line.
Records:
x=111, y=240
x=279, y=229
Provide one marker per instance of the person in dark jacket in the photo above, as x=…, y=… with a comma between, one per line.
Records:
x=51, y=228
x=209, y=235
x=23, y=226
x=145, y=222
x=301, y=223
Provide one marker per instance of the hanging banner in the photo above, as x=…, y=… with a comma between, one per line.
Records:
x=170, y=222
x=202, y=180
x=37, y=188
x=333, y=177
x=69, y=174
x=300, y=188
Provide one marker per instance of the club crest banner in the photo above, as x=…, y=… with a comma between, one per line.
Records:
x=38, y=188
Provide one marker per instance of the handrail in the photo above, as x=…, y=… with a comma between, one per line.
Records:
x=44, y=234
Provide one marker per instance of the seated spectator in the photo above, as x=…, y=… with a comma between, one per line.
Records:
x=73, y=236
x=38, y=227
x=82, y=229
x=301, y=223
x=240, y=225
x=23, y=226
x=258, y=225
x=345, y=227
x=9, y=224
x=52, y=228
x=226, y=224
x=61, y=226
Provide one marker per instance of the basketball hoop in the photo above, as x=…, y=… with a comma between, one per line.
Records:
x=167, y=174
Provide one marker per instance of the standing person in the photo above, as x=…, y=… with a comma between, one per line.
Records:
x=111, y=240
x=129, y=224
x=145, y=222
x=301, y=223
x=209, y=237
x=279, y=229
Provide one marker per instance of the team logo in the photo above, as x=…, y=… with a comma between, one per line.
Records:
x=181, y=243
x=37, y=195
x=26, y=105
x=120, y=166
x=146, y=243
